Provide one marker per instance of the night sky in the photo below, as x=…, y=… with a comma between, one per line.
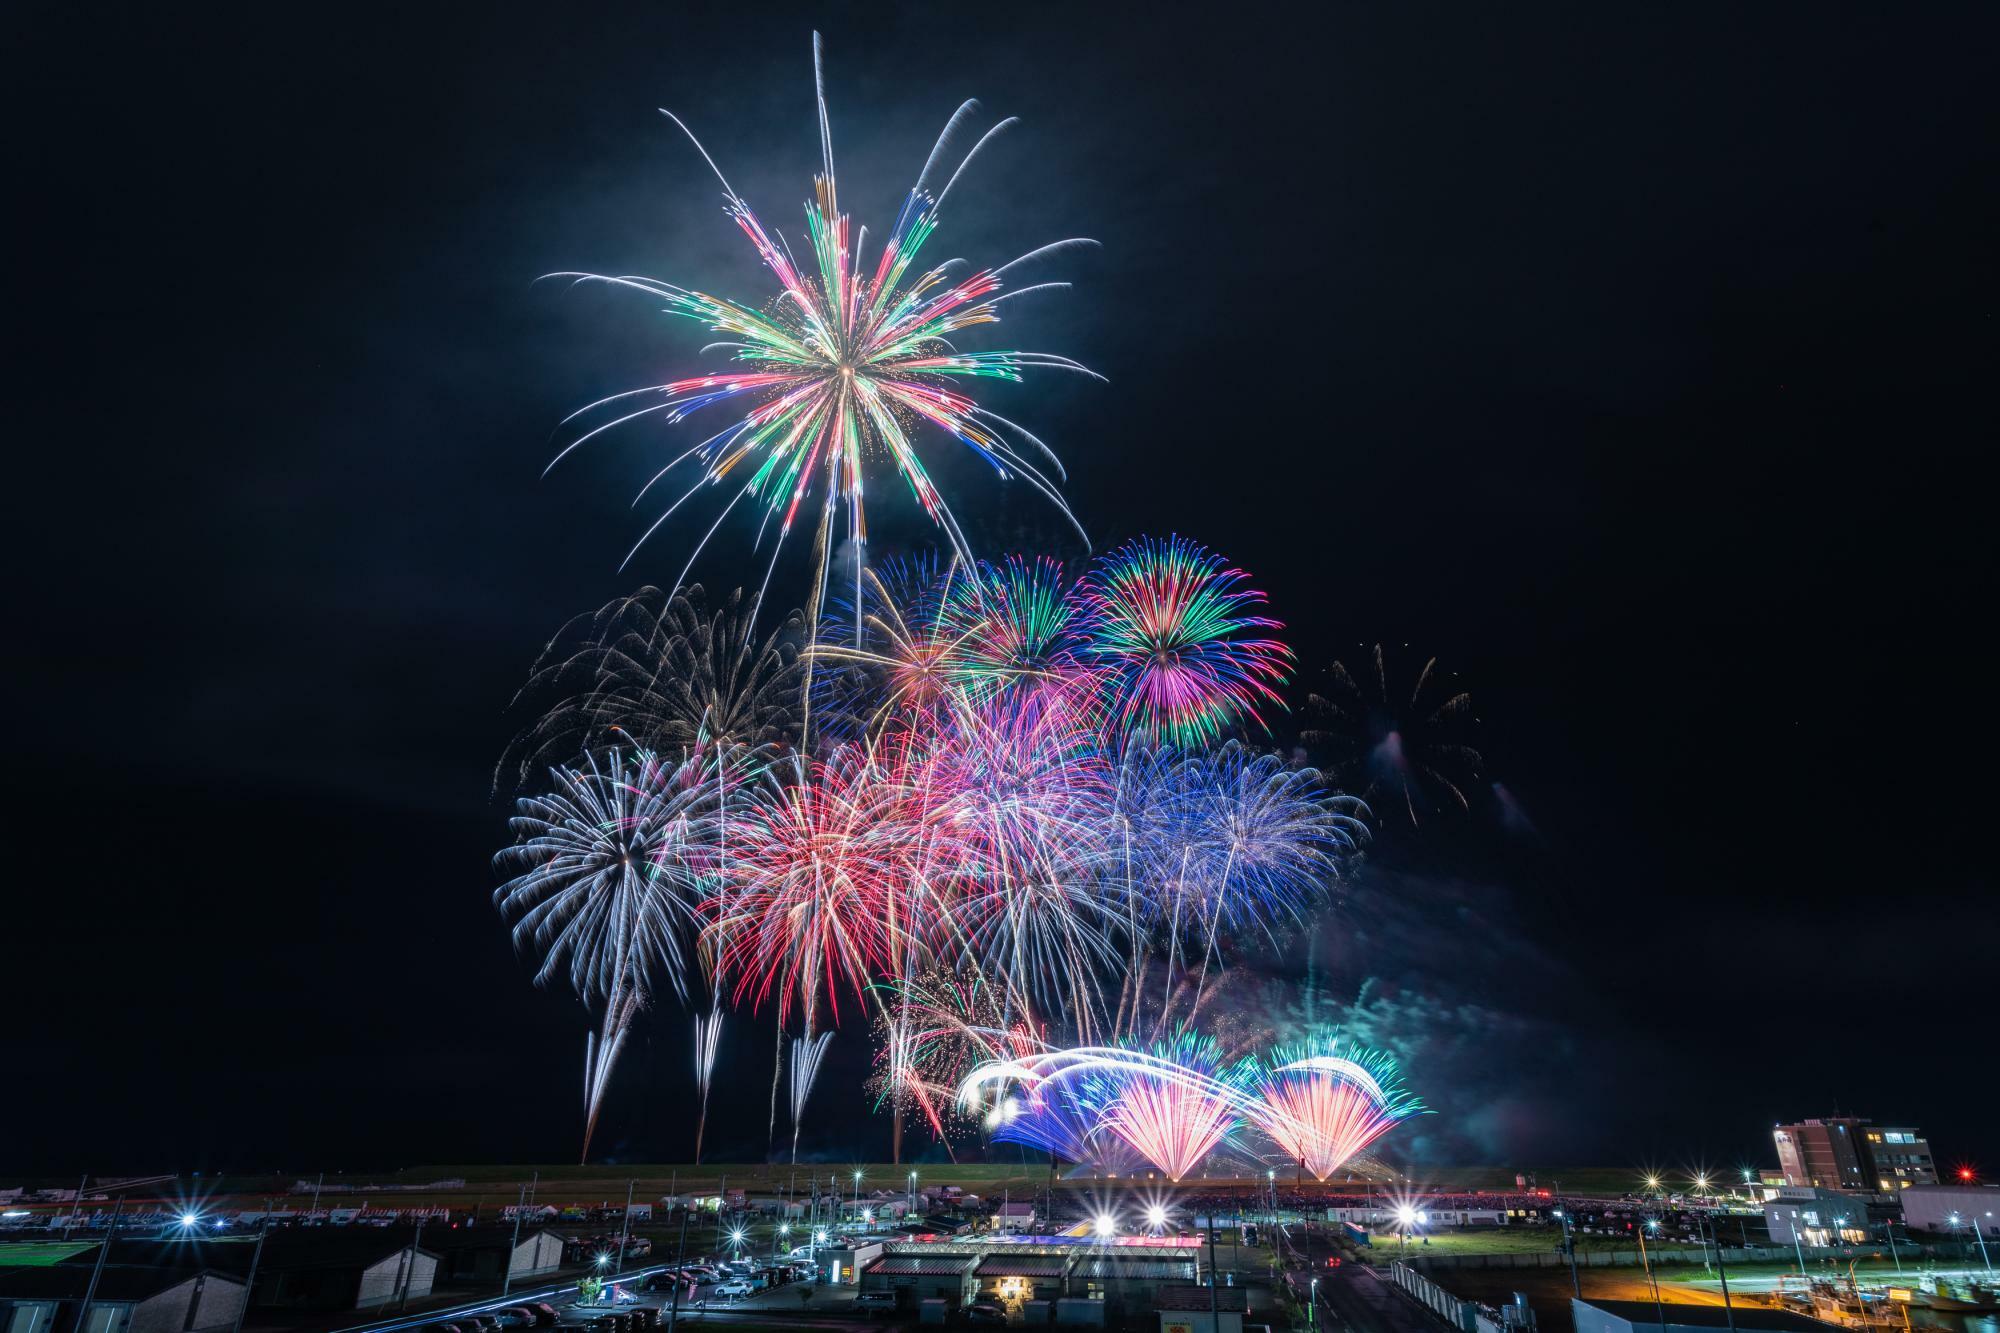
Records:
x=1635, y=360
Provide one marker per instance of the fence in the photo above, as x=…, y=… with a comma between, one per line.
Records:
x=1743, y=1254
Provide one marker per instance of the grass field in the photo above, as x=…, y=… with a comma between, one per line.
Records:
x=1499, y=1240
x=39, y=1254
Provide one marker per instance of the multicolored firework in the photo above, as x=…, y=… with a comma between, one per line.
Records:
x=810, y=910
x=1324, y=1101
x=1174, y=1103
x=1171, y=625
x=844, y=364
x=1409, y=744
x=707, y=1041
x=807, y=1053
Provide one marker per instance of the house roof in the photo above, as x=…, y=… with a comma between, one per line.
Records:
x=1022, y=1265
x=1198, y=1298
x=920, y=1265
x=118, y=1282
x=285, y=1248
x=1136, y=1267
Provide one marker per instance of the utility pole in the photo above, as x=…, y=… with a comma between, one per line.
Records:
x=674, y=1307
x=625, y=1230
x=250, y=1282
x=507, y=1267
x=410, y=1274
x=1214, y=1278
x=97, y=1269
x=317, y=1184
x=1722, y=1270
x=721, y=1194
x=70, y=1221
x=1660, y=1309
x=1569, y=1248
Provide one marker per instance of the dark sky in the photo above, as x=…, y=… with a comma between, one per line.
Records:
x=1633, y=359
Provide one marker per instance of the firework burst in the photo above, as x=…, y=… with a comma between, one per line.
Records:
x=852, y=361
x=608, y=865
x=1174, y=629
x=1403, y=742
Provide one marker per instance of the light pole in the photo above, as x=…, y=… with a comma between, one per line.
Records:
x=1312, y=1303
x=1889, y=1230
x=910, y=1204
x=857, y=1191
x=1979, y=1232
x=1569, y=1248
x=1798, y=1248
x=1722, y=1271
x=625, y=1230
x=1658, y=1308
x=784, y=1232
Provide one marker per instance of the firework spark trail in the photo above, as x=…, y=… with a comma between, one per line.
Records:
x=807, y=1053
x=1174, y=628
x=707, y=1041
x=844, y=364
x=1324, y=1103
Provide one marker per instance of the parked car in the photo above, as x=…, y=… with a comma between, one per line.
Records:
x=733, y=1288
x=985, y=1312
x=545, y=1314
x=515, y=1316
x=878, y=1304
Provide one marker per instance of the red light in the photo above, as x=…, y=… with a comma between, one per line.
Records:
x=1333, y=1261
x=1965, y=1173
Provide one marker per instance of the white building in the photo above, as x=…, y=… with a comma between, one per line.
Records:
x=1952, y=1210
x=1809, y=1215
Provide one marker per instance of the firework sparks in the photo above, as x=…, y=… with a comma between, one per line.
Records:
x=807, y=1053
x=851, y=361
x=707, y=1041
x=1408, y=743
x=1173, y=626
x=1324, y=1103
x=606, y=866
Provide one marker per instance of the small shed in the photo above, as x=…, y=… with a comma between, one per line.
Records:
x=129, y=1299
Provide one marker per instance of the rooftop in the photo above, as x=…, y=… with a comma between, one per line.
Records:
x=1198, y=1298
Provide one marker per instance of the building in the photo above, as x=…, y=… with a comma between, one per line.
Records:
x=1808, y=1215
x=49, y=1298
x=1644, y=1317
x=1202, y=1309
x=1119, y=1277
x=1851, y=1153
x=841, y=1263
x=1952, y=1210
x=472, y=1256
x=1014, y=1217
x=1901, y=1157
x=311, y=1268
x=919, y=1277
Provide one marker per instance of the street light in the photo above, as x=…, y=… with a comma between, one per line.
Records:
x=1312, y=1303
x=190, y=1220
x=1156, y=1217
x=1105, y=1226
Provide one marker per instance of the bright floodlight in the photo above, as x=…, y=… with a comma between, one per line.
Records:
x=603, y=1259
x=1652, y=1182
x=867, y=1214
x=784, y=1228
x=736, y=1236
x=1156, y=1216
x=1105, y=1225
x=819, y=1238
x=1701, y=1182
x=189, y=1220
x=1406, y=1214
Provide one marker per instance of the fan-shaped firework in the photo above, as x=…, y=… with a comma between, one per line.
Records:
x=607, y=865
x=662, y=672
x=1324, y=1102
x=1175, y=629
x=1172, y=1103
x=1402, y=741
x=842, y=364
